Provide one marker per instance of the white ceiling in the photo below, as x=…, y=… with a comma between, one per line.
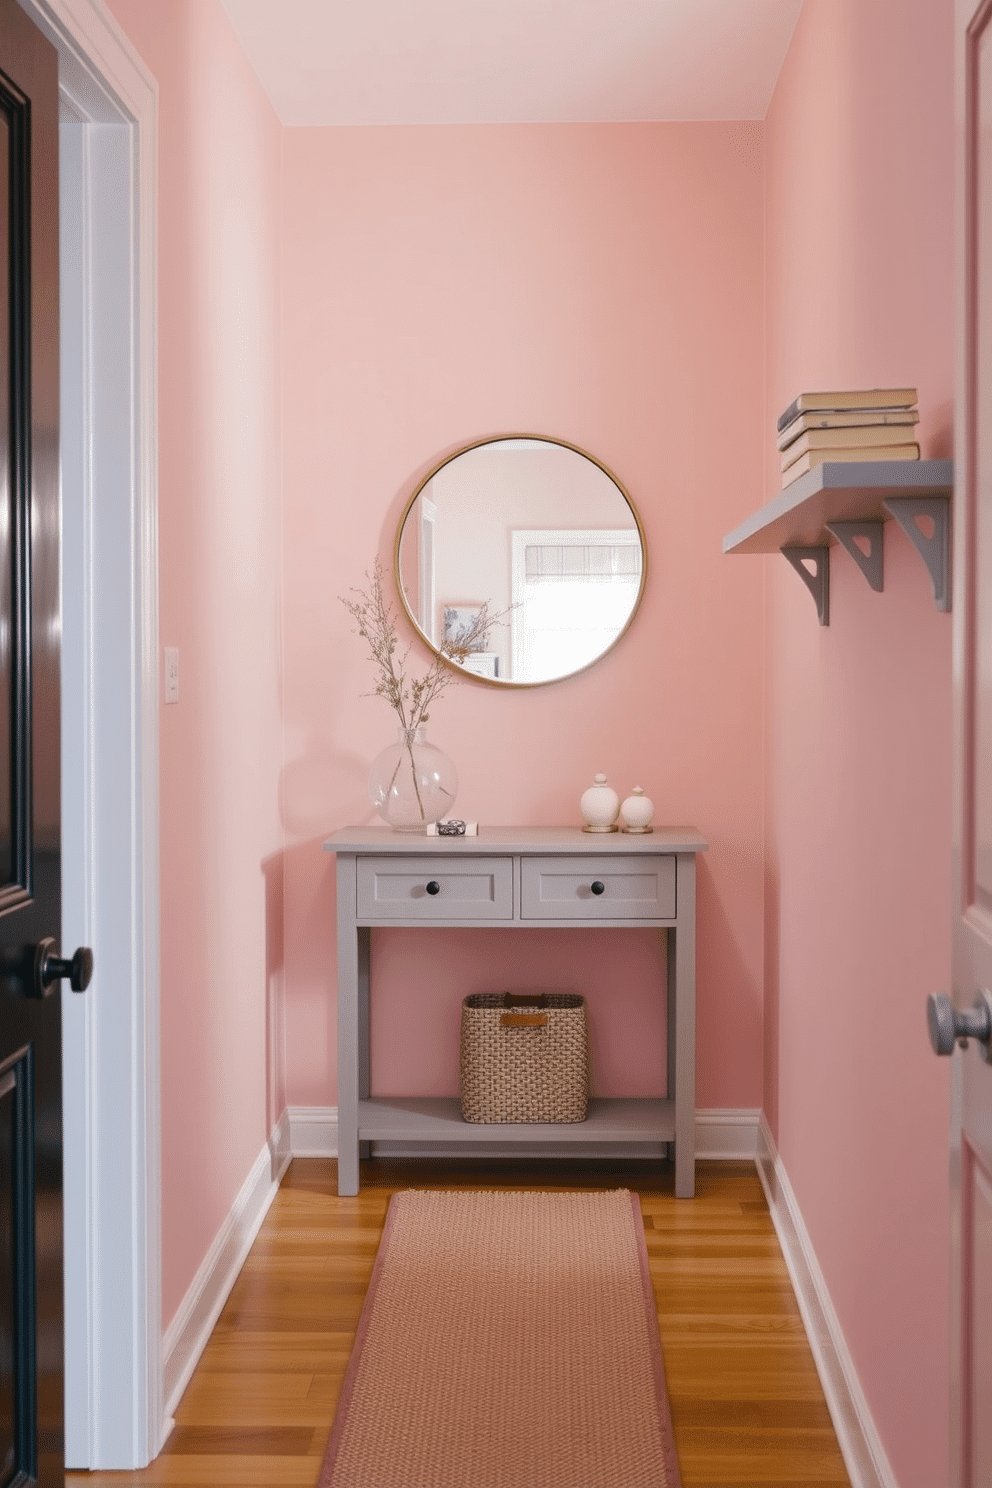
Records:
x=514, y=61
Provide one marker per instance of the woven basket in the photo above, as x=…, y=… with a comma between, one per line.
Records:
x=524, y=1058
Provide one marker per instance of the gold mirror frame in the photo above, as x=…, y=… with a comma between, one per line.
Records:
x=509, y=682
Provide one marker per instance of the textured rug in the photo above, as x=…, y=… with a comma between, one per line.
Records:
x=508, y=1340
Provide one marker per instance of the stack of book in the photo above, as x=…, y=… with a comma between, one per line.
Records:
x=871, y=424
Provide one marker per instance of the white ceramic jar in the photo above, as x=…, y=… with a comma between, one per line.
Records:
x=600, y=806
x=637, y=811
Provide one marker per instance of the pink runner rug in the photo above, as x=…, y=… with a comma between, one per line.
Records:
x=508, y=1340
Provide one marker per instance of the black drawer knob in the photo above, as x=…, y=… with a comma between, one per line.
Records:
x=597, y=886
x=433, y=887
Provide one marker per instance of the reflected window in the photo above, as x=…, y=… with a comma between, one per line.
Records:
x=573, y=591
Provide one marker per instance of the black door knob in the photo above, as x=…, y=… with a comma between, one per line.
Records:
x=433, y=887
x=597, y=886
x=50, y=968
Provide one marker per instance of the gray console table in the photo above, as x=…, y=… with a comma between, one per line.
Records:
x=518, y=877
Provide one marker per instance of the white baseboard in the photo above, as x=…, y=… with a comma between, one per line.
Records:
x=862, y=1450
x=727, y=1134
x=313, y=1130
x=186, y=1336
x=280, y=1149
x=719, y=1134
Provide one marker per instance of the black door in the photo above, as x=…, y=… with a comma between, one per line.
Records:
x=31, y=1331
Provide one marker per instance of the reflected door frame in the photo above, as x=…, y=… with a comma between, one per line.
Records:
x=428, y=609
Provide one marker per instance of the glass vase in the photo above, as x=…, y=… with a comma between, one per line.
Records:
x=412, y=783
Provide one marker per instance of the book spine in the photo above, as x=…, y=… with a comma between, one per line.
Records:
x=826, y=445
x=816, y=421
x=790, y=413
x=891, y=398
x=879, y=453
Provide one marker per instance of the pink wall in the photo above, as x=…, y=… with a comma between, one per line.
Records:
x=601, y=284
x=219, y=577
x=654, y=293
x=857, y=771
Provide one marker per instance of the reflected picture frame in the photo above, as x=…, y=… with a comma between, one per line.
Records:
x=457, y=621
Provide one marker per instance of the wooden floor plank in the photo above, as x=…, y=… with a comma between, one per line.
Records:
x=747, y=1406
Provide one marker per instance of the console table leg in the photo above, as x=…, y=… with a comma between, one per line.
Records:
x=347, y=1168
x=682, y=1030
x=685, y=1169
x=350, y=1042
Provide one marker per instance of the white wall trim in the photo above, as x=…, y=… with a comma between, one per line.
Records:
x=720, y=1134
x=110, y=784
x=189, y=1332
x=861, y=1447
x=727, y=1134
x=313, y=1130
x=96, y=59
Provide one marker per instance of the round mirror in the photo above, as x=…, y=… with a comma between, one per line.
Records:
x=537, y=537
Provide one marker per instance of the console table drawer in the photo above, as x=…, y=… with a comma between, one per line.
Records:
x=641, y=888
x=402, y=888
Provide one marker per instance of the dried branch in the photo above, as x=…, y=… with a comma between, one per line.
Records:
x=410, y=697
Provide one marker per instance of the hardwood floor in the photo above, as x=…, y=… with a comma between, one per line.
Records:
x=746, y=1401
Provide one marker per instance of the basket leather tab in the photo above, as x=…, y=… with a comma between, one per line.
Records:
x=523, y=1020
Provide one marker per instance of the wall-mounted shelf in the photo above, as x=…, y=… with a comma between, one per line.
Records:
x=847, y=503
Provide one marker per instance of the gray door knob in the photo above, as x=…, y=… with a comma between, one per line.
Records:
x=948, y=1026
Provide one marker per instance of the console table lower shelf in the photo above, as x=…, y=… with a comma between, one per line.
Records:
x=439, y=1119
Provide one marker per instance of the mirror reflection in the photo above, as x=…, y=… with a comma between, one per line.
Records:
x=542, y=534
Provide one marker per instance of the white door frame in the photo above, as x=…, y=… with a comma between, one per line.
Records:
x=110, y=808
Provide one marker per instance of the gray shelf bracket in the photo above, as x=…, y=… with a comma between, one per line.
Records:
x=934, y=548
x=817, y=578
x=863, y=540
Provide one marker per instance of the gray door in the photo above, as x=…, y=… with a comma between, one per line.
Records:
x=31, y=1330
